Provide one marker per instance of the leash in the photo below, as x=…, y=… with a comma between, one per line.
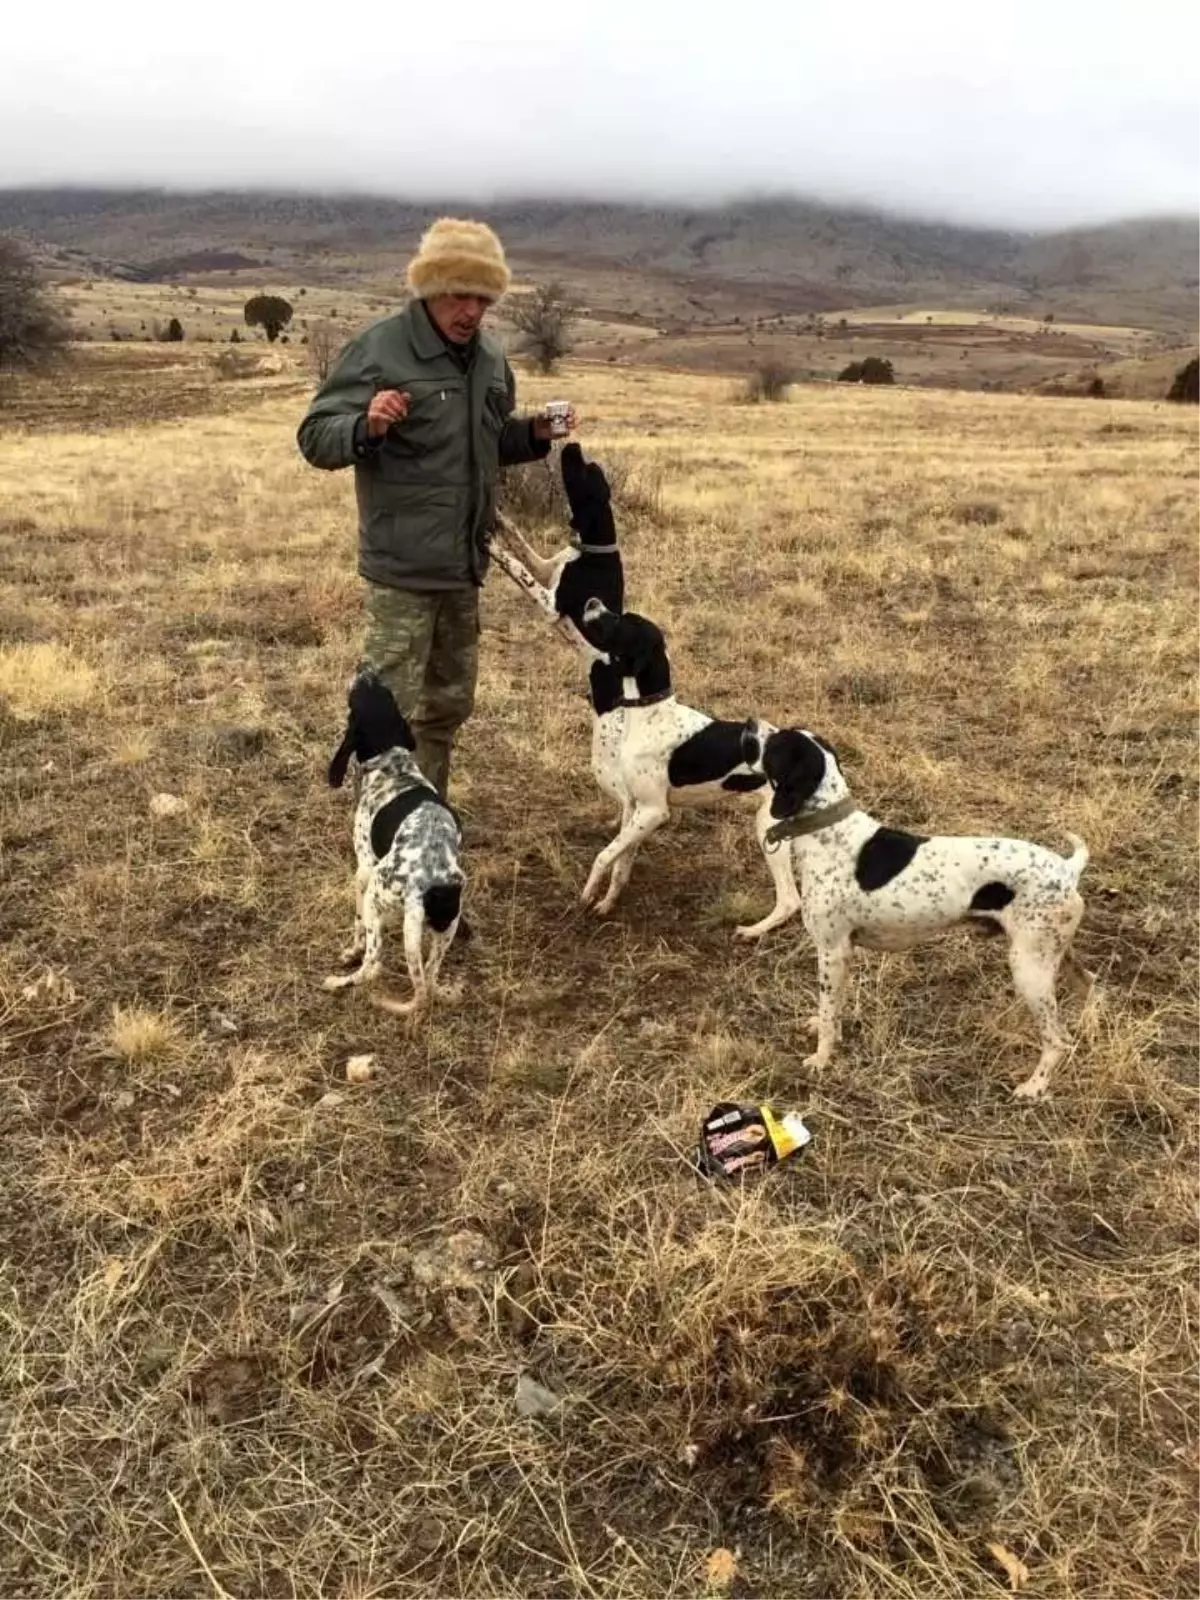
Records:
x=806, y=822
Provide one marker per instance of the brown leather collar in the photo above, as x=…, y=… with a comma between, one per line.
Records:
x=805, y=822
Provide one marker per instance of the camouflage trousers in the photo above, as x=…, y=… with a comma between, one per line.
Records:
x=425, y=647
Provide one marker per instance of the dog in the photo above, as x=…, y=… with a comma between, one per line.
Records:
x=407, y=844
x=589, y=568
x=660, y=754
x=863, y=883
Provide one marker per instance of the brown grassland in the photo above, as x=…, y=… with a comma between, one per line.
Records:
x=260, y=1329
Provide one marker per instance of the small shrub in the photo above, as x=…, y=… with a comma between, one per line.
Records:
x=769, y=382
x=872, y=370
x=174, y=333
x=979, y=513
x=1185, y=387
x=231, y=364
x=1096, y=388
x=533, y=495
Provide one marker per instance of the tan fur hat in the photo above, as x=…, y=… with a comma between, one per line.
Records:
x=458, y=257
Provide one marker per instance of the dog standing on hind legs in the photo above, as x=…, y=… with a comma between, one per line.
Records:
x=864, y=884
x=407, y=845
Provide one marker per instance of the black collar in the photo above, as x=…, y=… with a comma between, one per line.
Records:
x=646, y=699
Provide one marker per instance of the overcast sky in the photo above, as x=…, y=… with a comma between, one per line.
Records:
x=1021, y=113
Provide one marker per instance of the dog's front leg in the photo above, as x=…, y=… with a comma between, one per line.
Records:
x=372, y=949
x=353, y=952
x=783, y=876
x=521, y=575
x=833, y=969
x=644, y=821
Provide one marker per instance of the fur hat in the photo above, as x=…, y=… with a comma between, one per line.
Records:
x=458, y=257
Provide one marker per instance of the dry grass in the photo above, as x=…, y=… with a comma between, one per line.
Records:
x=257, y=1341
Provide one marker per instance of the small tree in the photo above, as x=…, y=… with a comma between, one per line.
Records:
x=1185, y=388
x=769, y=381
x=270, y=312
x=545, y=321
x=324, y=340
x=32, y=329
x=174, y=333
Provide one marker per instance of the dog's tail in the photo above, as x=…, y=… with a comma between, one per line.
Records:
x=442, y=903
x=1080, y=858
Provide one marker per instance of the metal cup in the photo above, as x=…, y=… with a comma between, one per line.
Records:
x=557, y=412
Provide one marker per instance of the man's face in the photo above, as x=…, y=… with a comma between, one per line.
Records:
x=459, y=315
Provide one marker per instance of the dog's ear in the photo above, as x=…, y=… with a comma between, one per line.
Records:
x=795, y=765
x=640, y=643
x=406, y=739
x=341, y=758
x=752, y=744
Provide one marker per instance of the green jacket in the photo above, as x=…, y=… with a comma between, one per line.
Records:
x=425, y=491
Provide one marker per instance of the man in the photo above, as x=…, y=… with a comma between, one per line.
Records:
x=421, y=405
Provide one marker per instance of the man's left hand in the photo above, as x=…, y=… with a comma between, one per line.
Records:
x=541, y=427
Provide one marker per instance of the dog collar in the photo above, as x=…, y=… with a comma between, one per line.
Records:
x=805, y=822
x=645, y=699
x=594, y=549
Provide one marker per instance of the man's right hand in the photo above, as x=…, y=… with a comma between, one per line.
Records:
x=387, y=406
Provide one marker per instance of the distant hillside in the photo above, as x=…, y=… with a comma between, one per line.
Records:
x=767, y=255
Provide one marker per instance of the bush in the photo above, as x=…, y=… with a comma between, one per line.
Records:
x=872, y=370
x=1185, y=388
x=174, y=333
x=545, y=322
x=32, y=329
x=769, y=382
x=1096, y=388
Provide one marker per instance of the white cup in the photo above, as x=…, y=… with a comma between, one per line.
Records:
x=557, y=412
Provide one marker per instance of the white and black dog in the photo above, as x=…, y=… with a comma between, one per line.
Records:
x=865, y=884
x=659, y=753
x=588, y=568
x=407, y=845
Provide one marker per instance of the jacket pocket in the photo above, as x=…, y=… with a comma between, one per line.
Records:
x=424, y=538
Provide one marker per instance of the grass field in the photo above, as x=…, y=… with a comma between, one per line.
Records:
x=260, y=1329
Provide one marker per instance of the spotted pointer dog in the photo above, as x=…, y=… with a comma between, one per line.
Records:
x=865, y=884
x=407, y=845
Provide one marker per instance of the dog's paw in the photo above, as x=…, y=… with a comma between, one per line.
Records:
x=352, y=955
x=337, y=980
x=812, y=1024
x=1032, y=1089
x=748, y=931
x=818, y=1061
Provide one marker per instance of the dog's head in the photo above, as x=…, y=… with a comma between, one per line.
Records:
x=798, y=765
x=374, y=725
x=589, y=496
x=632, y=643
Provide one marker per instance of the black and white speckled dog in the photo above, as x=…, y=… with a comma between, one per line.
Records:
x=866, y=884
x=661, y=754
x=407, y=845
